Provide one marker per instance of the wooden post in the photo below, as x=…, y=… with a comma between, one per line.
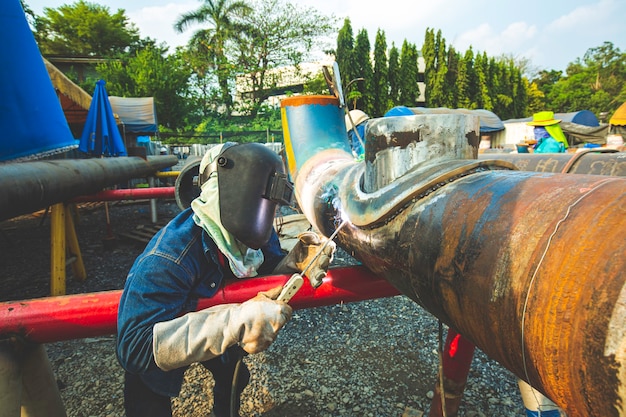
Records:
x=63, y=237
x=78, y=267
x=57, y=249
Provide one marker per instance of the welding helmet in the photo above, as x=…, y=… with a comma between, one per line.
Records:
x=251, y=183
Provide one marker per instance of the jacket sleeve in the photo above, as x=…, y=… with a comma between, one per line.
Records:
x=156, y=290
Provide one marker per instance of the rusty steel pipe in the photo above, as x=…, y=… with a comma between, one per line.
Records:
x=30, y=186
x=527, y=266
x=592, y=161
x=52, y=319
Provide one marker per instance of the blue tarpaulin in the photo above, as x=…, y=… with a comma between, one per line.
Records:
x=137, y=114
x=489, y=121
x=101, y=137
x=32, y=120
x=581, y=117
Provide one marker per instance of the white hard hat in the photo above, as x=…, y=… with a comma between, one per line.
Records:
x=163, y=149
x=357, y=116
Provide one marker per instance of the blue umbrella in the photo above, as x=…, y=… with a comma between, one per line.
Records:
x=101, y=136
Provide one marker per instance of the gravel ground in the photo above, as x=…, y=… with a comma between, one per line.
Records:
x=371, y=358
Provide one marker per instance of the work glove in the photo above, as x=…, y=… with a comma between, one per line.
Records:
x=206, y=334
x=304, y=252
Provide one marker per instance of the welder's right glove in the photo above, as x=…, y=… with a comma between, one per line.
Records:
x=206, y=334
x=306, y=253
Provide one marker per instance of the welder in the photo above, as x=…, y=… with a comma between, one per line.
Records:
x=226, y=233
x=356, y=120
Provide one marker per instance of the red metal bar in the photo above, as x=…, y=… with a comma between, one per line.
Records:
x=53, y=319
x=457, y=358
x=128, y=194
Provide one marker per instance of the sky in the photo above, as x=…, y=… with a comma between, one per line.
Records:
x=548, y=33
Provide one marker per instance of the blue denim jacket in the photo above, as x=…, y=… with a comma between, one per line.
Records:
x=179, y=265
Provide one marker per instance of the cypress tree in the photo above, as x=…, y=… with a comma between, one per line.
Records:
x=393, y=75
x=380, y=81
x=344, y=55
x=363, y=67
x=430, y=56
x=409, y=90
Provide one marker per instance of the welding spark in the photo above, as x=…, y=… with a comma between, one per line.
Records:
x=330, y=196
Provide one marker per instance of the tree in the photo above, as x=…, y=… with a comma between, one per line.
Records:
x=408, y=88
x=482, y=98
x=363, y=67
x=380, y=79
x=452, y=78
x=463, y=99
x=594, y=83
x=30, y=15
x=430, y=57
x=152, y=74
x=344, y=55
x=223, y=18
x=85, y=29
x=394, y=75
x=439, y=93
x=277, y=35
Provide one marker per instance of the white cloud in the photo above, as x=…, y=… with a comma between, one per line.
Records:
x=582, y=17
x=478, y=38
x=484, y=38
x=157, y=22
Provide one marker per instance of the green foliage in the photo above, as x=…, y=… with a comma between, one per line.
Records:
x=463, y=80
x=439, y=93
x=224, y=26
x=430, y=56
x=344, y=54
x=408, y=89
x=474, y=81
x=30, y=15
x=84, y=29
x=254, y=39
x=594, y=83
x=394, y=76
x=380, y=77
x=264, y=126
x=277, y=34
x=363, y=67
x=316, y=85
x=151, y=74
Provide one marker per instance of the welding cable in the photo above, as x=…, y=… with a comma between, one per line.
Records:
x=234, y=395
x=442, y=389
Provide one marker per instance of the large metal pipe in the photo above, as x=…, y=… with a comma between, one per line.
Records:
x=52, y=319
x=527, y=266
x=30, y=186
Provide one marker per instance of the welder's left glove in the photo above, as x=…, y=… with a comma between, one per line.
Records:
x=206, y=334
x=304, y=252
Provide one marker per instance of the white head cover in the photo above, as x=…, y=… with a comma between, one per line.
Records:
x=357, y=116
x=243, y=260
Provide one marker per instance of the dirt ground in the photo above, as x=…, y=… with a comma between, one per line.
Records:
x=25, y=247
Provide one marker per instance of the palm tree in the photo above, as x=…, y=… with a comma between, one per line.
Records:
x=222, y=17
